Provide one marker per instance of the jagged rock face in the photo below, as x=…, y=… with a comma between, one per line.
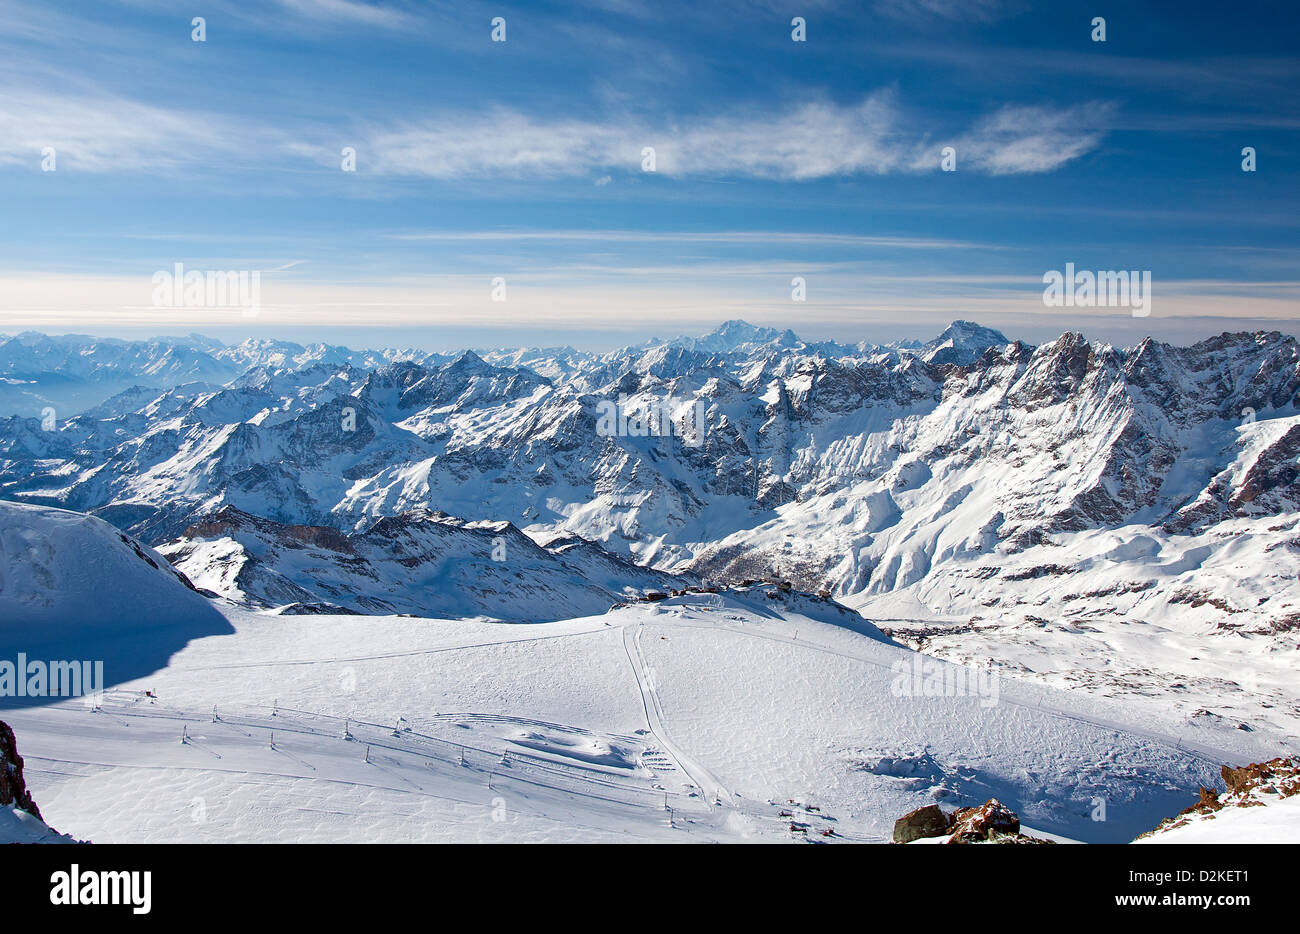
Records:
x=1280, y=776
x=888, y=446
x=1269, y=486
x=13, y=787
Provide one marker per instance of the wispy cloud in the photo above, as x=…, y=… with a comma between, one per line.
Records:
x=811, y=141
x=107, y=133
x=98, y=132
x=1017, y=140
x=350, y=12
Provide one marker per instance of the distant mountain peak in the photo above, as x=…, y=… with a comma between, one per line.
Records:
x=736, y=335
x=962, y=343
x=469, y=360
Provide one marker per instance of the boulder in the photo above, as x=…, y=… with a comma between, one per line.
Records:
x=928, y=821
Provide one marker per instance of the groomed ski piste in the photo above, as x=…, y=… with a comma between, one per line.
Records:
x=748, y=715
x=736, y=717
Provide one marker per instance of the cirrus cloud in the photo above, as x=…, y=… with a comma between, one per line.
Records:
x=98, y=132
x=813, y=140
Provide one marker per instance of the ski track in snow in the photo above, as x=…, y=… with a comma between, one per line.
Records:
x=699, y=775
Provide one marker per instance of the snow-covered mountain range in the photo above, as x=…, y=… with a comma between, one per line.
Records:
x=1053, y=509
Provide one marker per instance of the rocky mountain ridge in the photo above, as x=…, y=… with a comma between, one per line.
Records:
x=863, y=470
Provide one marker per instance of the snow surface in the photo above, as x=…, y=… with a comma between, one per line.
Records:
x=1278, y=822
x=73, y=588
x=727, y=707
x=17, y=826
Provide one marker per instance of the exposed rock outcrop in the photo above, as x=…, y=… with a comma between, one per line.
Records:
x=20, y=818
x=13, y=787
x=991, y=822
x=986, y=822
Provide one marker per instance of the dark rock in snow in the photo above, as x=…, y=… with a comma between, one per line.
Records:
x=13, y=787
x=928, y=821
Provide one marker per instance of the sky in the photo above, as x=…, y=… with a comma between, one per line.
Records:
x=500, y=193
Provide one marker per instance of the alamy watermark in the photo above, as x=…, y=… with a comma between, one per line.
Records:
x=36, y=678
x=177, y=288
x=658, y=417
x=929, y=677
x=1106, y=288
x=75, y=886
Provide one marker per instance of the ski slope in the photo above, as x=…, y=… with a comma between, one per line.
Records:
x=723, y=708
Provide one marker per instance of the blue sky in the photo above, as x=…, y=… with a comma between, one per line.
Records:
x=522, y=160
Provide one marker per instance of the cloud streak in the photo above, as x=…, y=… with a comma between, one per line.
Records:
x=1022, y=140
x=97, y=132
x=349, y=12
x=105, y=133
x=811, y=141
